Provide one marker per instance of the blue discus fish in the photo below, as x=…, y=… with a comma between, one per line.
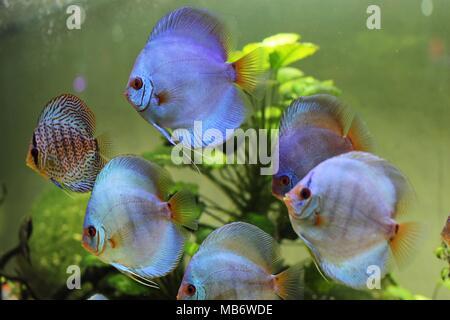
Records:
x=182, y=75
x=346, y=211
x=239, y=262
x=314, y=129
x=133, y=223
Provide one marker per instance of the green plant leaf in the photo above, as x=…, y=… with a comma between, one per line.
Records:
x=280, y=39
x=289, y=53
x=261, y=221
x=202, y=233
x=307, y=86
x=288, y=73
x=446, y=283
x=214, y=159
x=161, y=156
x=190, y=248
x=279, y=50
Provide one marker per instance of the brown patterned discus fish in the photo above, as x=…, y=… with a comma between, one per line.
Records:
x=446, y=232
x=63, y=147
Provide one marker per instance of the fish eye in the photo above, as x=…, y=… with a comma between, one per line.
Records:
x=91, y=231
x=190, y=290
x=136, y=83
x=34, y=154
x=305, y=193
x=284, y=180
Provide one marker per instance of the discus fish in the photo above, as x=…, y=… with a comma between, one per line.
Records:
x=63, y=147
x=182, y=75
x=446, y=232
x=98, y=296
x=133, y=223
x=239, y=261
x=345, y=211
x=312, y=130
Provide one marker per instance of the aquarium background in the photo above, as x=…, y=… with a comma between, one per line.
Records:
x=397, y=78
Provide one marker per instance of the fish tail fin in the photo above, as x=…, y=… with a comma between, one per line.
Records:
x=183, y=206
x=105, y=146
x=248, y=68
x=289, y=283
x=404, y=242
x=359, y=135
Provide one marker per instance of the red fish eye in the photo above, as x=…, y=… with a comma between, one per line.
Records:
x=91, y=231
x=190, y=290
x=136, y=83
x=284, y=180
x=305, y=193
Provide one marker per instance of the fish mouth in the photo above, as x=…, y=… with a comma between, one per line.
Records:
x=289, y=204
x=286, y=199
x=291, y=210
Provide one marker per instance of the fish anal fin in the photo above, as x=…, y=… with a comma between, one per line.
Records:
x=288, y=284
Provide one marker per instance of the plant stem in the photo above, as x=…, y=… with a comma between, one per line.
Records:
x=212, y=215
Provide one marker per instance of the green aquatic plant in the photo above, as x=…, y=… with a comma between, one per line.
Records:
x=57, y=218
x=443, y=253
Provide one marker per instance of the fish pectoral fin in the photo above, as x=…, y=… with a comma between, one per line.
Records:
x=132, y=273
x=315, y=255
x=173, y=95
x=164, y=132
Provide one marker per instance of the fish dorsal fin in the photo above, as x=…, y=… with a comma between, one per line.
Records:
x=247, y=241
x=325, y=111
x=146, y=174
x=69, y=110
x=322, y=110
x=195, y=24
x=403, y=190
